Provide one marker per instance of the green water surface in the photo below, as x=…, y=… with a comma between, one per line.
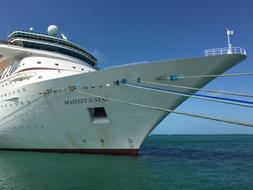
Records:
x=165, y=162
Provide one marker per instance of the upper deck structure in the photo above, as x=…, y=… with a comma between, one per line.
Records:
x=39, y=41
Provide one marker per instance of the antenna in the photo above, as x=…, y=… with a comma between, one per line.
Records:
x=63, y=36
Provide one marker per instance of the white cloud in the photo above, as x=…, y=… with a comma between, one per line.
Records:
x=99, y=55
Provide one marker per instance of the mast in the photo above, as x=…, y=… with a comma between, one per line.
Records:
x=229, y=33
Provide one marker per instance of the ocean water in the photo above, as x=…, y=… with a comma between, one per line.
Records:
x=189, y=162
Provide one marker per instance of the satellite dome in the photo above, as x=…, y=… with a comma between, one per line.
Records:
x=52, y=30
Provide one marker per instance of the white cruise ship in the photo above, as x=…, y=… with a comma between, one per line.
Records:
x=53, y=97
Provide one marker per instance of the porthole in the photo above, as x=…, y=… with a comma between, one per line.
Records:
x=74, y=67
x=130, y=140
x=82, y=69
x=38, y=62
x=56, y=64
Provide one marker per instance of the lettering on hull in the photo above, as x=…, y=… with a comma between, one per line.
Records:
x=85, y=100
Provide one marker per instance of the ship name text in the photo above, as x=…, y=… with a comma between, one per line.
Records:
x=85, y=100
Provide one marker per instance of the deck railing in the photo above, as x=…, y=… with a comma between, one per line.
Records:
x=226, y=50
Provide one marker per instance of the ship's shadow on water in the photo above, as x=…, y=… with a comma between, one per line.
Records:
x=164, y=162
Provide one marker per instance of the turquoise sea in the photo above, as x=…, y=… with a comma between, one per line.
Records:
x=189, y=162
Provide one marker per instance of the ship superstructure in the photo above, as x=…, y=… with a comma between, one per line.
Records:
x=53, y=98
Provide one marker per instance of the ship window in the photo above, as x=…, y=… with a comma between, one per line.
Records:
x=39, y=62
x=74, y=67
x=56, y=64
x=65, y=49
x=98, y=115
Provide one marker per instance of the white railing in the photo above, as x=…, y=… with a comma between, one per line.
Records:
x=226, y=50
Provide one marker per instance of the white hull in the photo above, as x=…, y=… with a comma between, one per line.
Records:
x=60, y=120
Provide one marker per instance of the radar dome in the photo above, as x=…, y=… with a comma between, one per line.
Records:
x=52, y=30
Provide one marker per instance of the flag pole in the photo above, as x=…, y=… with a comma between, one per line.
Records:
x=229, y=44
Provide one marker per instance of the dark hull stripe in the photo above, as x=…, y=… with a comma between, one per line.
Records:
x=38, y=68
x=132, y=152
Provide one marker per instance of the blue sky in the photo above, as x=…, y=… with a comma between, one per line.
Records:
x=127, y=31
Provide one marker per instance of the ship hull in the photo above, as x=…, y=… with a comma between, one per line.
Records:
x=98, y=112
